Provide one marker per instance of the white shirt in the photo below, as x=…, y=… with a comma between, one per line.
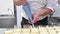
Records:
x=34, y=5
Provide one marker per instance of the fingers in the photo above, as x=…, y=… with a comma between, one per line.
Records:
x=33, y=21
x=35, y=17
x=29, y=21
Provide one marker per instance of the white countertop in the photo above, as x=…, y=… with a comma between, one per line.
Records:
x=2, y=30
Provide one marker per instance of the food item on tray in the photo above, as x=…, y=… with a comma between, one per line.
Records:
x=17, y=31
x=8, y=32
x=25, y=31
x=34, y=31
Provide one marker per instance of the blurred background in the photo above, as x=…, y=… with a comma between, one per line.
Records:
x=8, y=14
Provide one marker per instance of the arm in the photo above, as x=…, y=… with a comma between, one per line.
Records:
x=44, y=12
x=47, y=10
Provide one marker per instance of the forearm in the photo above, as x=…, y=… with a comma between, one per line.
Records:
x=49, y=8
x=45, y=11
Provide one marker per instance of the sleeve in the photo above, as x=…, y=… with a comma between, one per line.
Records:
x=51, y=4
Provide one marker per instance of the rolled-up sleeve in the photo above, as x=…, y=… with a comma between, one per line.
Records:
x=51, y=4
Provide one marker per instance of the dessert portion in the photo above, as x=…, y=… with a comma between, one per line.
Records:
x=53, y=32
x=50, y=28
x=8, y=32
x=25, y=31
x=35, y=30
x=57, y=28
x=43, y=30
x=17, y=31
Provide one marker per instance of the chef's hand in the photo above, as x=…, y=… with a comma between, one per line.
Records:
x=42, y=12
x=20, y=2
x=35, y=18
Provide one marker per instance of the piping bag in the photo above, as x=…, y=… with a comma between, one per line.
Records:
x=27, y=10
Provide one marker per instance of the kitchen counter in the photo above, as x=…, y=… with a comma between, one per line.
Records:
x=2, y=30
